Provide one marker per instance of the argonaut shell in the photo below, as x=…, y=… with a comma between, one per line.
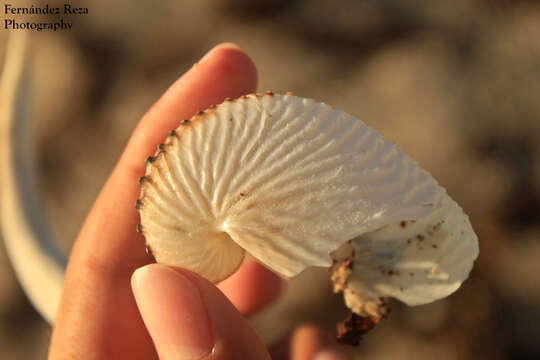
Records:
x=290, y=181
x=416, y=262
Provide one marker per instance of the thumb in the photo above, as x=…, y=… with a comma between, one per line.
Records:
x=189, y=318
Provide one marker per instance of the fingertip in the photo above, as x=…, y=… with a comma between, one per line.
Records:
x=309, y=333
x=174, y=312
x=229, y=58
x=220, y=47
x=307, y=341
x=234, y=338
x=330, y=354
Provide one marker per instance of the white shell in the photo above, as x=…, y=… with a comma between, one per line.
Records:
x=416, y=262
x=288, y=180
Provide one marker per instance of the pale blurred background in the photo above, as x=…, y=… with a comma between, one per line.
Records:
x=454, y=84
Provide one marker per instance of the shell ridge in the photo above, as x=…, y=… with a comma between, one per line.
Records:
x=234, y=165
x=251, y=163
x=158, y=208
x=195, y=141
x=389, y=181
x=275, y=170
x=244, y=173
x=288, y=121
x=423, y=184
x=229, y=164
x=194, y=190
x=160, y=201
x=191, y=160
x=291, y=152
x=283, y=185
x=208, y=174
x=181, y=194
x=175, y=202
x=262, y=129
x=331, y=146
x=285, y=152
x=222, y=159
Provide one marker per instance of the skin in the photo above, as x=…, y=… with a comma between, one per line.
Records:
x=109, y=310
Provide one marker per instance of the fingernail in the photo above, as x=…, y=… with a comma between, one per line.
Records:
x=228, y=45
x=173, y=311
x=329, y=354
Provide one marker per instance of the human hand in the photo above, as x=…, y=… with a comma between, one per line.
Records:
x=185, y=316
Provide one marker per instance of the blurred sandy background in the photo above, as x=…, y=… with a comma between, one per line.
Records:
x=456, y=85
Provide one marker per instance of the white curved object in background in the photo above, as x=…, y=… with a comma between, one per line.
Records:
x=38, y=264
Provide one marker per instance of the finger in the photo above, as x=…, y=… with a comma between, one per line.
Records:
x=189, y=318
x=330, y=354
x=97, y=304
x=252, y=287
x=307, y=342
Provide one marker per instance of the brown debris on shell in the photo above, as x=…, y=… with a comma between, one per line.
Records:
x=351, y=330
x=340, y=274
